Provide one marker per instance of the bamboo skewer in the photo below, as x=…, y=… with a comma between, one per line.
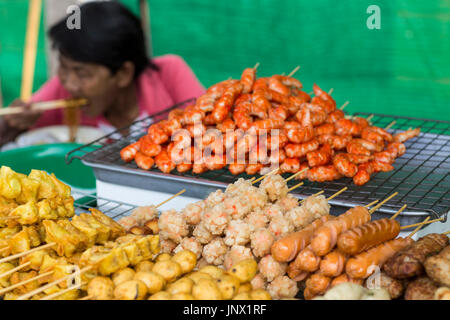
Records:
x=382, y=202
x=5, y=290
x=293, y=71
x=398, y=212
x=9, y=217
x=370, y=117
x=421, y=223
x=313, y=195
x=390, y=125
x=295, y=174
x=295, y=187
x=45, y=246
x=331, y=91
x=4, y=249
x=418, y=228
x=256, y=65
x=44, y=106
x=344, y=105
x=337, y=193
x=174, y=196
x=267, y=174
x=371, y=204
x=15, y=269
x=51, y=284
x=59, y=293
x=447, y=232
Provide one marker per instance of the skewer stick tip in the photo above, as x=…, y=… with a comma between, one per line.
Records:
x=174, y=196
x=295, y=187
x=382, y=202
x=390, y=125
x=293, y=71
x=331, y=91
x=267, y=174
x=418, y=228
x=295, y=174
x=256, y=65
x=344, y=105
x=337, y=193
x=398, y=212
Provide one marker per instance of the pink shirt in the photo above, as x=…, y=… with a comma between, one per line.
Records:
x=156, y=91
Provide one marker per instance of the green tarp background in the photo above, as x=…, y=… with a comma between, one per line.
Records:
x=401, y=69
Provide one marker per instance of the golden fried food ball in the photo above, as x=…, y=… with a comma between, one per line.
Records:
x=245, y=287
x=101, y=288
x=213, y=271
x=228, y=286
x=162, y=295
x=242, y=296
x=69, y=295
x=182, y=296
x=244, y=270
x=186, y=259
x=122, y=276
x=206, y=289
x=170, y=270
x=183, y=285
x=130, y=290
x=144, y=266
x=154, y=281
x=163, y=257
x=196, y=276
x=260, y=294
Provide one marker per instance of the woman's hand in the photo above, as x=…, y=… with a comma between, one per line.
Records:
x=24, y=120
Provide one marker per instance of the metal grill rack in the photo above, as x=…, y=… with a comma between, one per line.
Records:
x=113, y=209
x=421, y=175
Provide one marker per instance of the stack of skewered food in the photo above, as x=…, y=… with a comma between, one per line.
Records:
x=241, y=223
x=333, y=250
x=253, y=124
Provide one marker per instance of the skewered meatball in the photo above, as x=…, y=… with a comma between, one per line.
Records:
x=281, y=226
x=237, y=207
x=202, y=234
x=270, y=268
x=214, y=252
x=172, y=226
x=144, y=214
x=317, y=205
x=422, y=288
x=237, y=233
x=272, y=210
x=258, y=282
x=237, y=189
x=235, y=255
x=257, y=219
x=257, y=198
x=191, y=244
x=282, y=287
x=128, y=222
x=216, y=219
x=167, y=246
x=288, y=202
x=275, y=187
x=214, y=198
x=261, y=242
x=193, y=212
x=301, y=217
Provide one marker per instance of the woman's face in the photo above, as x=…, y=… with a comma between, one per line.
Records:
x=91, y=81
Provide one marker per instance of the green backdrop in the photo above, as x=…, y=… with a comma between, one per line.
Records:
x=401, y=69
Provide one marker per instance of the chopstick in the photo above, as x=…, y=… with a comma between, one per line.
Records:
x=43, y=106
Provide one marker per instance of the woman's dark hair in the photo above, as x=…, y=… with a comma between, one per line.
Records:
x=109, y=35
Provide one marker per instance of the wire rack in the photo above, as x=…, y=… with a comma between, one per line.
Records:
x=421, y=176
x=112, y=208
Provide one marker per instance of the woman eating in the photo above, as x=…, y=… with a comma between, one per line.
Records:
x=106, y=62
